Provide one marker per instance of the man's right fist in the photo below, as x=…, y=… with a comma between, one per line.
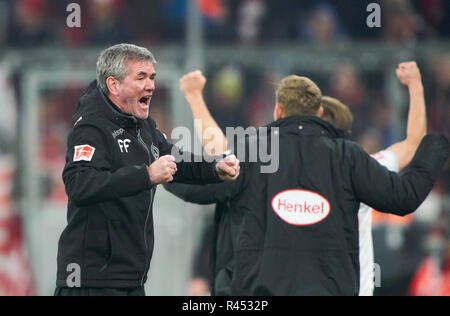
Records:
x=409, y=73
x=193, y=82
x=162, y=170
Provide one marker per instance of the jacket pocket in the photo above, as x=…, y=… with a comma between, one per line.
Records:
x=97, y=245
x=109, y=248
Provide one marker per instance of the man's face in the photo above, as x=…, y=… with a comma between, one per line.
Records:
x=136, y=90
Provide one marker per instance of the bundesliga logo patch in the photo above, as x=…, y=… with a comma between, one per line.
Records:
x=83, y=153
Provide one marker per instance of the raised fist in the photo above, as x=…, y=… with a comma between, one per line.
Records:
x=193, y=82
x=408, y=73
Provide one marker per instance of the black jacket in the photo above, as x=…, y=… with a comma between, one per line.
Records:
x=109, y=235
x=230, y=199
x=299, y=235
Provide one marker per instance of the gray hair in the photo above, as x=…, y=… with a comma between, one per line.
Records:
x=113, y=62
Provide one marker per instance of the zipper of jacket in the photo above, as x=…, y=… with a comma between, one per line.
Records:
x=148, y=210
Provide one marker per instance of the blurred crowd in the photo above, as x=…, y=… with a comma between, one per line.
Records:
x=27, y=23
x=414, y=252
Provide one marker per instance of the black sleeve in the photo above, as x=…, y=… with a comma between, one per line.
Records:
x=399, y=194
x=191, y=170
x=91, y=180
x=206, y=194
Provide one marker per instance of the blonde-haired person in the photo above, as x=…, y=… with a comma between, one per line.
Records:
x=337, y=113
x=314, y=250
x=298, y=95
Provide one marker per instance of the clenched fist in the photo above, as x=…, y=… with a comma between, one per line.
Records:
x=409, y=74
x=193, y=82
x=228, y=168
x=162, y=170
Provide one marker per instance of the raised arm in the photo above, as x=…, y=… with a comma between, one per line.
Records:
x=213, y=140
x=399, y=193
x=409, y=75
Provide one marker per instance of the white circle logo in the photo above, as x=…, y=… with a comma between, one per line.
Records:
x=301, y=207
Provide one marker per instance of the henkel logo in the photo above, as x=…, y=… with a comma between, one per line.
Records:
x=83, y=153
x=301, y=207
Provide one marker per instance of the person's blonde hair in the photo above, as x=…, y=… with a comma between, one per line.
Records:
x=299, y=96
x=337, y=113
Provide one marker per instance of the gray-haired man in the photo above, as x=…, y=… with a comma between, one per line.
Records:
x=116, y=157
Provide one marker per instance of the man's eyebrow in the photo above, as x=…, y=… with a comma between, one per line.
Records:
x=143, y=73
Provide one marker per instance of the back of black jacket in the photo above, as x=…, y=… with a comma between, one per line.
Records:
x=300, y=230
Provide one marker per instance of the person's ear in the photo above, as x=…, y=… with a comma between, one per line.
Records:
x=113, y=85
x=320, y=113
x=278, y=112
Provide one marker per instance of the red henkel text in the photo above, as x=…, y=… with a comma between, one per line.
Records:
x=304, y=207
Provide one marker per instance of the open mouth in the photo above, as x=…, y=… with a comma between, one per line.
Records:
x=145, y=101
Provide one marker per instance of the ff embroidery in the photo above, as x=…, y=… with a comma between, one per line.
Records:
x=83, y=153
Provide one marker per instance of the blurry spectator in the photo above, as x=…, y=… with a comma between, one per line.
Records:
x=261, y=103
x=8, y=118
x=370, y=141
x=55, y=121
x=250, y=15
x=382, y=120
x=353, y=16
x=281, y=21
x=4, y=20
x=227, y=95
x=432, y=13
x=30, y=24
x=436, y=15
x=218, y=20
x=347, y=85
x=433, y=276
x=401, y=25
x=444, y=25
x=174, y=19
x=213, y=9
x=15, y=272
x=440, y=110
x=323, y=26
x=71, y=36
x=110, y=23
x=148, y=16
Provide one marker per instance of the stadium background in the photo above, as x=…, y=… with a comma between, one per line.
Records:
x=244, y=47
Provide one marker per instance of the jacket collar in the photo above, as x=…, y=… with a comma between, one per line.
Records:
x=94, y=102
x=311, y=125
x=115, y=114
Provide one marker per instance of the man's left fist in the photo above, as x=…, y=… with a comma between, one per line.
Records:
x=228, y=168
